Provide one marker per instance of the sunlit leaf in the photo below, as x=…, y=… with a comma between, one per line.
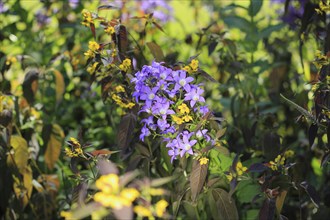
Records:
x=23, y=189
x=59, y=85
x=197, y=178
x=19, y=155
x=54, y=146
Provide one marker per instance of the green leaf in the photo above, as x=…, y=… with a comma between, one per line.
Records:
x=254, y=7
x=303, y=111
x=54, y=146
x=246, y=191
x=156, y=51
x=238, y=22
x=197, y=178
x=266, y=32
x=221, y=205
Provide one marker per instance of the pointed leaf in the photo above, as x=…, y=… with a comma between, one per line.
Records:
x=106, y=7
x=197, y=178
x=280, y=201
x=92, y=27
x=54, y=146
x=300, y=109
x=19, y=155
x=257, y=167
x=311, y=191
x=59, y=85
x=222, y=207
x=211, y=47
x=156, y=51
x=254, y=7
x=206, y=75
x=312, y=132
x=23, y=189
x=267, y=211
x=122, y=40
x=125, y=131
x=30, y=85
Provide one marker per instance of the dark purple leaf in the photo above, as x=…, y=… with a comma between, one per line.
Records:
x=156, y=51
x=325, y=159
x=211, y=47
x=206, y=75
x=106, y=167
x=30, y=85
x=106, y=7
x=92, y=26
x=197, y=178
x=312, y=132
x=312, y=193
x=257, y=167
x=125, y=131
x=125, y=213
x=267, y=210
x=221, y=204
x=122, y=40
x=159, y=27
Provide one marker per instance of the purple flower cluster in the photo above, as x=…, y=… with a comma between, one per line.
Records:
x=160, y=8
x=42, y=17
x=161, y=92
x=294, y=11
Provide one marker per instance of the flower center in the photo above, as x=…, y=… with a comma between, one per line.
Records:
x=187, y=147
x=151, y=96
x=162, y=111
x=195, y=97
x=182, y=82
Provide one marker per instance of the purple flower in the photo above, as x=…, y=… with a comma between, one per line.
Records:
x=3, y=8
x=162, y=124
x=182, y=81
x=144, y=133
x=160, y=8
x=203, y=110
x=73, y=3
x=202, y=134
x=194, y=96
x=148, y=94
x=162, y=107
x=42, y=17
x=186, y=145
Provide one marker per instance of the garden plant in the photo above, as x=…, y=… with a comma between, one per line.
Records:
x=164, y=109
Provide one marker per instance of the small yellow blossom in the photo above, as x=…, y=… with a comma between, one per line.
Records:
x=240, y=168
x=66, y=215
x=203, y=160
x=74, y=141
x=88, y=18
x=119, y=89
x=11, y=60
x=130, y=105
x=156, y=192
x=91, y=69
x=89, y=54
x=177, y=119
x=126, y=65
x=70, y=153
x=183, y=108
x=187, y=69
x=194, y=65
x=279, y=161
x=110, y=200
x=130, y=194
x=230, y=176
x=142, y=211
x=94, y=46
x=110, y=30
x=187, y=118
x=108, y=183
x=288, y=153
x=160, y=207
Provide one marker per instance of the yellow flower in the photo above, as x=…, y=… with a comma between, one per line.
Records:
x=91, y=69
x=142, y=211
x=203, y=160
x=92, y=45
x=119, y=89
x=79, y=151
x=11, y=60
x=88, y=18
x=108, y=183
x=194, y=65
x=187, y=69
x=130, y=194
x=177, y=120
x=130, y=105
x=240, y=169
x=183, y=108
x=187, y=118
x=288, y=153
x=161, y=207
x=70, y=153
x=279, y=161
x=110, y=200
x=230, y=176
x=89, y=54
x=110, y=30
x=156, y=192
x=74, y=141
x=66, y=215
x=127, y=62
